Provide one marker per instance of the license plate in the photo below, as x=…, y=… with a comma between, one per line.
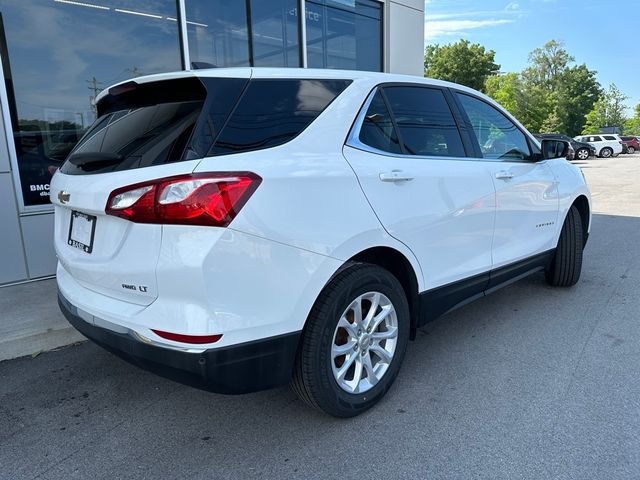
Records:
x=82, y=228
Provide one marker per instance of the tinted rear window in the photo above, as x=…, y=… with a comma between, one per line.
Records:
x=426, y=124
x=154, y=124
x=609, y=137
x=272, y=112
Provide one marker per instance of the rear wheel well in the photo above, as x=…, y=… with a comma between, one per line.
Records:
x=582, y=204
x=400, y=267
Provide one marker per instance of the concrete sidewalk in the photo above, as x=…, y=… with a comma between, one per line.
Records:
x=30, y=320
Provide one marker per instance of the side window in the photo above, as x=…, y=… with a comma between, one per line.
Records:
x=497, y=135
x=609, y=137
x=377, y=129
x=426, y=124
x=272, y=112
x=595, y=139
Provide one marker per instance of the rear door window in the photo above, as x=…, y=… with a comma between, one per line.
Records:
x=377, y=129
x=274, y=111
x=425, y=122
x=609, y=137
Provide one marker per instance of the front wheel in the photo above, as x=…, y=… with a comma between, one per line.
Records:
x=354, y=342
x=566, y=266
x=631, y=150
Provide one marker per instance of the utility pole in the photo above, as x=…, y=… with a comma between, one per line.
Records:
x=94, y=87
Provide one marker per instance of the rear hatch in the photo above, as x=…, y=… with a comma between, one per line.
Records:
x=148, y=129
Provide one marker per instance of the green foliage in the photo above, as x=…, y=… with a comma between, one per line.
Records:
x=577, y=92
x=550, y=95
x=461, y=62
x=608, y=111
x=547, y=64
x=552, y=124
x=632, y=126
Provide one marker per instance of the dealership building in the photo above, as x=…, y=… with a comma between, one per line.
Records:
x=57, y=55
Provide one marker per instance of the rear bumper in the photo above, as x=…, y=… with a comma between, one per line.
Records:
x=242, y=368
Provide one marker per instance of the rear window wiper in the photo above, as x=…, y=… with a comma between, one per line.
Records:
x=82, y=159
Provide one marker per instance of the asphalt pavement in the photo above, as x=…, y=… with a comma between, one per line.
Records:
x=531, y=382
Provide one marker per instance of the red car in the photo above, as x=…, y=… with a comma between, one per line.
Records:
x=631, y=144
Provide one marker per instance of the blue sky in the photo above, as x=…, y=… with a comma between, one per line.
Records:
x=604, y=35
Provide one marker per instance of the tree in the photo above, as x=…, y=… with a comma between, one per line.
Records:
x=577, y=92
x=552, y=124
x=524, y=101
x=461, y=62
x=608, y=111
x=632, y=126
x=547, y=64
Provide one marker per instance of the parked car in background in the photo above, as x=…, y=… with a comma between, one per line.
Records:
x=631, y=143
x=241, y=229
x=582, y=150
x=606, y=145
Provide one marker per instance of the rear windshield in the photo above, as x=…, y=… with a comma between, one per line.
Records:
x=184, y=119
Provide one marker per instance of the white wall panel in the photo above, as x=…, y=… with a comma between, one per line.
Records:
x=405, y=39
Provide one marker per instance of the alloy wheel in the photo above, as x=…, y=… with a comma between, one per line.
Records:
x=583, y=154
x=364, y=342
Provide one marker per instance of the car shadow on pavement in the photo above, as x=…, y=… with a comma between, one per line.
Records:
x=529, y=381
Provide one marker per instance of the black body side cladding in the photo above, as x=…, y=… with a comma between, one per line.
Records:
x=440, y=300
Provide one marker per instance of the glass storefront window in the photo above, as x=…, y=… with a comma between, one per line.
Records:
x=61, y=54
x=235, y=33
x=274, y=33
x=344, y=34
x=218, y=33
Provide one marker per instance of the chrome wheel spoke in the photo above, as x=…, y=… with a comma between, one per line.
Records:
x=344, y=368
x=340, y=350
x=357, y=375
x=375, y=302
x=384, y=356
x=388, y=334
x=357, y=312
x=377, y=320
x=351, y=328
x=368, y=367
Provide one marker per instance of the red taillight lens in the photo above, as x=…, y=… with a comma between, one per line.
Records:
x=209, y=199
x=195, y=339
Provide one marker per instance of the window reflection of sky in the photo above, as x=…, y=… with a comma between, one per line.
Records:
x=56, y=48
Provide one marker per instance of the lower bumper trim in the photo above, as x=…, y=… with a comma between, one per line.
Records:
x=242, y=368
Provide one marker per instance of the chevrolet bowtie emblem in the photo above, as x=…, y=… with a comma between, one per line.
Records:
x=63, y=196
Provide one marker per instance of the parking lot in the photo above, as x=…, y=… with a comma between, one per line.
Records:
x=531, y=382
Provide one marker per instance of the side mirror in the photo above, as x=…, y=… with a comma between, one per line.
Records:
x=552, y=148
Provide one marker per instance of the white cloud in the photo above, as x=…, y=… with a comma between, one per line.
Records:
x=446, y=28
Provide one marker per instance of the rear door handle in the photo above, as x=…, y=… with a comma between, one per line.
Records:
x=395, y=176
x=504, y=175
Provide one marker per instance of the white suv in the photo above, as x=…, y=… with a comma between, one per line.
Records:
x=240, y=229
x=606, y=144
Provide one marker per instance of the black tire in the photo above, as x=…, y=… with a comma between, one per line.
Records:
x=631, y=150
x=313, y=379
x=564, y=270
x=582, y=154
x=606, y=152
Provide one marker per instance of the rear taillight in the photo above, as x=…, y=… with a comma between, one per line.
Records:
x=210, y=199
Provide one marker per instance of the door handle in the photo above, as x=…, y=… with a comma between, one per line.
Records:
x=504, y=175
x=395, y=176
